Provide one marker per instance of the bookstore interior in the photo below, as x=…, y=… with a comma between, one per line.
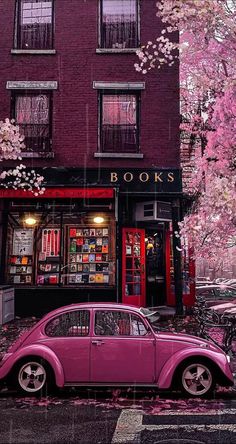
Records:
x=60, y=249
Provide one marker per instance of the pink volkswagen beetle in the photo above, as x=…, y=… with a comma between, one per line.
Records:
x=96, y=344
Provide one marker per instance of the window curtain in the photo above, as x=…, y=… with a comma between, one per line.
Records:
x=32, y=115
x=119, y=24
x=35, y=24
x=119, y=129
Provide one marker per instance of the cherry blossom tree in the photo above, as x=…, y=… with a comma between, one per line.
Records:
x=202, y=36
x=11, y=146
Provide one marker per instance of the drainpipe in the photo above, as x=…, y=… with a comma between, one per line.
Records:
x=177, y=258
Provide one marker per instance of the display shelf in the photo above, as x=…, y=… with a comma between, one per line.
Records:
x=20, y=269
x=88, y=255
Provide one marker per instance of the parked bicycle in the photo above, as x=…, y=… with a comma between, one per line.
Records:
x=220, y=328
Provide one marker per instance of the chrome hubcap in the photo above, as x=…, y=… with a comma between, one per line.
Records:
x=197, y=379
x=32, y=377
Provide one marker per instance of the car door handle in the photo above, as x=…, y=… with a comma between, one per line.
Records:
x=98, y=342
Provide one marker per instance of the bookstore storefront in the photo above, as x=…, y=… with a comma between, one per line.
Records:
x=54, y=245
x=103, y=241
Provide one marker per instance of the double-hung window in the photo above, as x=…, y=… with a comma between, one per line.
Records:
x=34, y=24
x=32, y=113
x=119, y=118
x=119, y=24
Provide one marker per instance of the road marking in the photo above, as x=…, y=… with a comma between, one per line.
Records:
x=128, y=427
x=130, y=424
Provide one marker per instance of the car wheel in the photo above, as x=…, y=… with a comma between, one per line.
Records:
x=33, y=377
x=197, y=379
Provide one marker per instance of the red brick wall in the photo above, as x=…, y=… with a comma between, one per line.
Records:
x=75, y=66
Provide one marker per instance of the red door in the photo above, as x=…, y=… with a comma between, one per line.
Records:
x=133, y=267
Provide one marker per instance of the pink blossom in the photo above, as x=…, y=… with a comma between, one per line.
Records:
x=11, y=147
x=206, y=50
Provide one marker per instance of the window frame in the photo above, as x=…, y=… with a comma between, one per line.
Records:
x=100, y=36
x=101, y=93
x=33, y=92
x=17, y=31
x=144, y=322
x=69, y=336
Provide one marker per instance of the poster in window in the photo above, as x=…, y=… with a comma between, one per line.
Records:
x=23, y=241
x=51, y=242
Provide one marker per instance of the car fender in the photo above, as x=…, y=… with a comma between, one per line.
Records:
x=34, y=350
x=168, y=370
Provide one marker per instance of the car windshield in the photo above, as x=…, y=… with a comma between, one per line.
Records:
x=152, y=317
x=217, y=292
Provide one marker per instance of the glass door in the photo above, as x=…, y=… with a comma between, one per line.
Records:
x=133, y=267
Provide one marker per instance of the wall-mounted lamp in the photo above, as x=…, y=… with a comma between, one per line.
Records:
x=98, y=220
x=30, y=221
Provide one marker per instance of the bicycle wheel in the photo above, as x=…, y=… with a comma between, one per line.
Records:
x=230, y=343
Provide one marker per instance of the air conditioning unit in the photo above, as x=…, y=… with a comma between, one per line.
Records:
x=153, y=210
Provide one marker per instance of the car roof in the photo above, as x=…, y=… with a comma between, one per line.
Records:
x=215, y=286
x=91, y=305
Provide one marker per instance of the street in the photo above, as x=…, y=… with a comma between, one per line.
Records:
x=112, y=417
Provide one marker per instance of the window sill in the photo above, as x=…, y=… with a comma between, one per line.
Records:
x=119, y=155
x=40, y=154
x=116, y=50
x=33, y=51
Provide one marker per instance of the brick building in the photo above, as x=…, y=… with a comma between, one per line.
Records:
x=106, y=139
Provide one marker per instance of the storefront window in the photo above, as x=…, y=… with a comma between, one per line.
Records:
x=58, y=252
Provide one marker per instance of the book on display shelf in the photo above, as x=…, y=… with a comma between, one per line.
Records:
x=87, y=248
x=78, y=278
x=92, y=267
x=85, y=268
x=106, y=278
x=92, y=278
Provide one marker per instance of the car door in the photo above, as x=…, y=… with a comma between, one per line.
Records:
x=68, y=337
x=122, y=348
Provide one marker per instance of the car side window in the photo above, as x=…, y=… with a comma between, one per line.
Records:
x=137, y=326
x=118, y=323
x=73, y=323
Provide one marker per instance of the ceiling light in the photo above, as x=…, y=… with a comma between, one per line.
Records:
x=98, y=220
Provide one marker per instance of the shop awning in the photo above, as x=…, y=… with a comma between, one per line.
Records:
x=60, y=193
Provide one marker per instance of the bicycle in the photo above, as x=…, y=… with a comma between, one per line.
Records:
x=209, y=319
